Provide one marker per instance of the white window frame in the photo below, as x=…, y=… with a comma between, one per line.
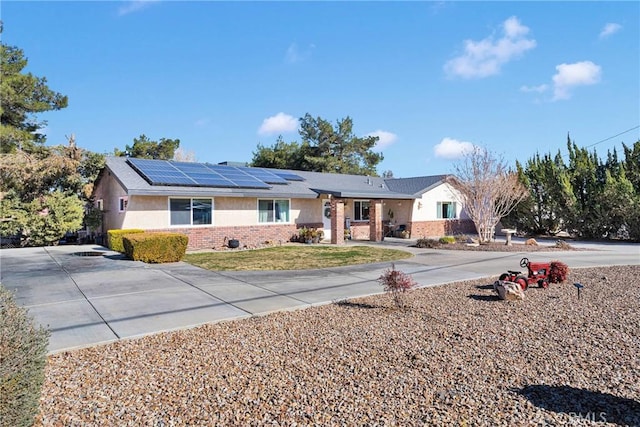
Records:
x=357, y=216
x=123, y=203
x=274, y=200
x=439, y=207
x=100, y=204
x=191, y=224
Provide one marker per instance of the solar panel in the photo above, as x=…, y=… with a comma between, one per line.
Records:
x=168, y=179
x=236, y=175
x=264, y=175
x=162, y=172
x=289, y=176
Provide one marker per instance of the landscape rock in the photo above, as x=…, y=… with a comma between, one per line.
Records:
x=455, y=356
x=509, y=291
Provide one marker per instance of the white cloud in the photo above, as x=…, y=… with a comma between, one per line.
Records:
x=609, y=29
x=135, y=6
x=280, y=123
x=485, y=58
x=295, y=54
x=569, y=76
x=385, y=138
x=539, y=89
x=450, y=148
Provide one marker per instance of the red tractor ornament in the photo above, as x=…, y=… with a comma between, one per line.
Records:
x=538, y=274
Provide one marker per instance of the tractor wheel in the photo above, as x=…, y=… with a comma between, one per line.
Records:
x=523, y=282
x=504, y=276
x=543, y=283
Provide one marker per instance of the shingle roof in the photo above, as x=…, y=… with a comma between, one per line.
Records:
x=314, y=184
x=415, y=186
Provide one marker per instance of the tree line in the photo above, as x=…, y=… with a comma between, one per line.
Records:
x=586, y=196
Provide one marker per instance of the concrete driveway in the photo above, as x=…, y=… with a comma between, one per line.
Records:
x=86, y=295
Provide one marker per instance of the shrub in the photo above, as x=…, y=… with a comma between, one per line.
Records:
x=397, y=284
x=156, y=247
x=558, y=272
x=561, y=244
x=23, y=352
x=115, y=238
x=427, y=243
x=447, y=240
x=461, y=238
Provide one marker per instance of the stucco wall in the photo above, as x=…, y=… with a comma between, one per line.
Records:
x=109, y=191
x=426, y=208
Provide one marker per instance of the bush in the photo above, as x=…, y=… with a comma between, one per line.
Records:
x=397, y=284
x=558, y=272
x=447, y=240
x=23, y=352
x=156, y=247
x=427, y=243
x=114, y=237
x=561, y=244
x=461, y=238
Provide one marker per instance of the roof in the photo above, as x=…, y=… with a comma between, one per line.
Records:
x=415, y=186
x=314, y=185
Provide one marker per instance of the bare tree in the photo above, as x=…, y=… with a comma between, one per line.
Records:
x=487, y=189
x=182, y=155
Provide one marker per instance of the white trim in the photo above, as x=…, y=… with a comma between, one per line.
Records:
x=191, y=224
x=100, y=205
x=439, y=206
x=273, y=199
x=354, y=210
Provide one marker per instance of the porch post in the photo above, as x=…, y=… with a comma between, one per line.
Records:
x=337, y=222
x=375, y=221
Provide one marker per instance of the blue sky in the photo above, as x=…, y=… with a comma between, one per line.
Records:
x=430, y=78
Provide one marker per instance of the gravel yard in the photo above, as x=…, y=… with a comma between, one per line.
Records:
x=458, y=356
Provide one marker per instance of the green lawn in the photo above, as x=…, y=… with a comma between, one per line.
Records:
x=293, y=257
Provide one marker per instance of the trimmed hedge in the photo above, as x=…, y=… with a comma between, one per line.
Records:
x=115, y=238
x=23, y=355
x=447, y=240
x=155, y=247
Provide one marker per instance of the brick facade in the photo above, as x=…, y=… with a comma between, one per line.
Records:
x=375, y=221
x=337, y=222
x=250, y=236
x=360, y=231
x=439, y=228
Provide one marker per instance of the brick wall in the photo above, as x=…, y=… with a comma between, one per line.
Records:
x=360, y=231
x=440, y=228
x=249, y=236
x=375, y=221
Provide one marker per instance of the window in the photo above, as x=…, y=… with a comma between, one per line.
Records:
x=100, y=204
x=361, y=210
x=191, y=211
x=123, y=202
x=446, y=210
x=273, y=211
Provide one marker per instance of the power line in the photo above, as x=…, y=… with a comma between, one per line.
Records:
x=611, y=137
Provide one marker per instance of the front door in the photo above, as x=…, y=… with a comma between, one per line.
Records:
x=326, y=218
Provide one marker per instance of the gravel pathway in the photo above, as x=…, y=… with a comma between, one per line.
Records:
x=457, y=356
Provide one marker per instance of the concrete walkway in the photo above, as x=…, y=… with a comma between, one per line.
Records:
x=87, y=298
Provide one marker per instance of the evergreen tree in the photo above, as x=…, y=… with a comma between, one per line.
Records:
x=144, y=148
x=324, y=148
x=22, y=96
